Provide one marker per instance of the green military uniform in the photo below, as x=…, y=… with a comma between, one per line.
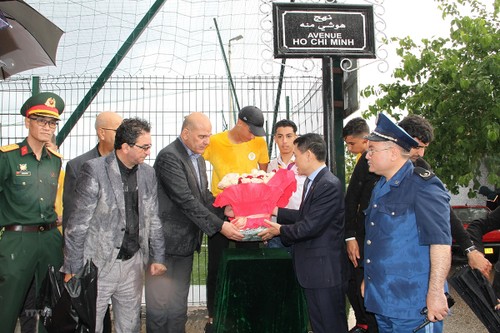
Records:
x=29, y=240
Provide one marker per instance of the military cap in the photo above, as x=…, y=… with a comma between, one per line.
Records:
x=254, y=118
x=387, y=130
x=45, y=104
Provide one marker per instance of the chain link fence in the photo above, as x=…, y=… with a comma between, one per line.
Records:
x=165, y=101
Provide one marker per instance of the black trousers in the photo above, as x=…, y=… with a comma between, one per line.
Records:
x=357, y=301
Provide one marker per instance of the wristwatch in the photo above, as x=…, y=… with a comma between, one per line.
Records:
x=470, y=249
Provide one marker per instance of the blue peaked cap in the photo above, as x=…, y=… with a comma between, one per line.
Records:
x=387, y=130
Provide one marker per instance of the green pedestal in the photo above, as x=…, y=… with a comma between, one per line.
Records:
x=257, y=292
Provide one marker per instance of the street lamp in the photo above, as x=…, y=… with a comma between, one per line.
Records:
x=232, y=117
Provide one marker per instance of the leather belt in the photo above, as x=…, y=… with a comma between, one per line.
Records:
x=31, y=228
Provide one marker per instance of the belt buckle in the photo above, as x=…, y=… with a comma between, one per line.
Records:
x=41, y=228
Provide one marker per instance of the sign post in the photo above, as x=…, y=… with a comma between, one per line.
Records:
x=330, y=32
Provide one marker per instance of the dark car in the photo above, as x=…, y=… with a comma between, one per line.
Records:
x=491, y=240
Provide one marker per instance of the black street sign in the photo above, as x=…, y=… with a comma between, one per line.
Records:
x=317, y=30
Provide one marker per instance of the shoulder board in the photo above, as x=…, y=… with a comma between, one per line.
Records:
x=54, y=152
x=424, y=173
x=8, y=148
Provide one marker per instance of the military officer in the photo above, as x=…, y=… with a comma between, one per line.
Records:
x=29, y=239
x=408, y=238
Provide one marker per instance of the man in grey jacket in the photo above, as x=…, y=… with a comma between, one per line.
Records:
x=186, y=211
x=116, y=225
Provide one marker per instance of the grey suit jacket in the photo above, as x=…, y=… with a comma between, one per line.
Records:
x=185, y=208
x=96, y=227
x=72, y=170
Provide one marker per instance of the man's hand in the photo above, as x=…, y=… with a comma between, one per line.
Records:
x=477, y=260
x=228, y=211
x=157, y=269
x=437, y=306
x=273, y=230
x=353, y=251
x=239, y=222
x=231, y=231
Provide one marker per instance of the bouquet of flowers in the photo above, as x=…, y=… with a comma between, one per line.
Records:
x=253, y=197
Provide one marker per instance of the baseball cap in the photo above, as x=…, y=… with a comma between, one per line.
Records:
x=254, y=118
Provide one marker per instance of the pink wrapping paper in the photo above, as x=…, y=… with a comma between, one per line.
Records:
x=256, y=201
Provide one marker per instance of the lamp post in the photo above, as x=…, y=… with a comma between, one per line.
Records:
x=232, y=116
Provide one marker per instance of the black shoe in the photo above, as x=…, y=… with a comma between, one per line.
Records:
x=209, y=328
x=358, y=329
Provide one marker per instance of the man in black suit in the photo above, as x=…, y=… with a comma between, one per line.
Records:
x=186, y=211
x=106, y=124
x=357, y=198
x=316, y=232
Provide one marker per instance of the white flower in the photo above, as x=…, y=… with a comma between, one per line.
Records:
x=256, y=176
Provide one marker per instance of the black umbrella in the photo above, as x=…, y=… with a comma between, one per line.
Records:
x=478, y=293
x=69, y=307
x=28, y=39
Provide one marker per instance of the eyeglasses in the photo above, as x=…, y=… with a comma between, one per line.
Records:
x=144, y=147
x=42, y=122
x=372, y=151
x=108, y=129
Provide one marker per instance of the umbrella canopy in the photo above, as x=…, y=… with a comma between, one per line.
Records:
x=28, y=39
x=477, y=292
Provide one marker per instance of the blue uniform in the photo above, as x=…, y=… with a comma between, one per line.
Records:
x=406, y=215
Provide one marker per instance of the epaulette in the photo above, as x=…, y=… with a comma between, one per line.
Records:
x=424, y=173
x=54, y=152
x=8, y=148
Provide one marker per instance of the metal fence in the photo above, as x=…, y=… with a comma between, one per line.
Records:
x=164, y=101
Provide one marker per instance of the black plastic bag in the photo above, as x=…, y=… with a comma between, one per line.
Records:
x=69, y=307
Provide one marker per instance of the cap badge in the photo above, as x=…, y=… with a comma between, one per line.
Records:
x=51, y=102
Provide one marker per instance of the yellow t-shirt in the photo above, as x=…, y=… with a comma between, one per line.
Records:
x=58, y=205
x=227, y=157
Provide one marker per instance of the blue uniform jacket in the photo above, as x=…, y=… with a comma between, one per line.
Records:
x=405, y=216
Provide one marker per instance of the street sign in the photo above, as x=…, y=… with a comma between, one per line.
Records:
x=317, y=30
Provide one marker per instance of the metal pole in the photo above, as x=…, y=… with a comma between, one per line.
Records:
x=277, y=104
x=233, y=90
x=106, y=74
x=35, y=85
x=338, y=120
x=232, y=114
x=328, y=112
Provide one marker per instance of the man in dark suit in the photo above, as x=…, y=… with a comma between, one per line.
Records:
x=316, y=232
x=106, y=124
x=357, y=198
x=117, y=225
x=186, y=211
